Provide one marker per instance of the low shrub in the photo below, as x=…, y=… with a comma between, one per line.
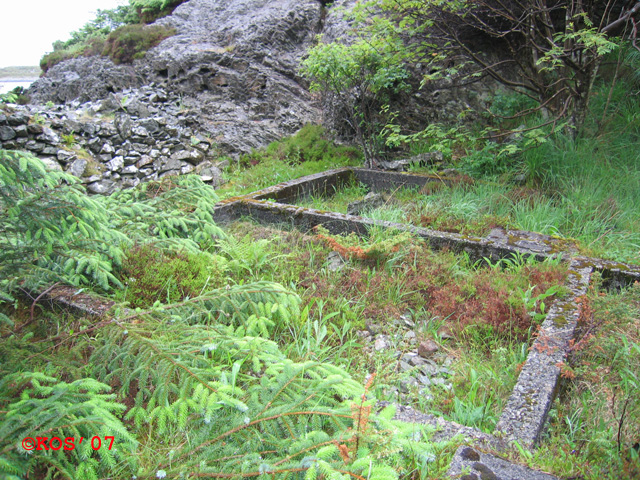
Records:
x=90, y=47
x=53, y=58
x=310, y=144
x=120, y=33
x=130, y=42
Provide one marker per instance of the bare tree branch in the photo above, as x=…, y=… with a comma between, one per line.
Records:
x=616, y=26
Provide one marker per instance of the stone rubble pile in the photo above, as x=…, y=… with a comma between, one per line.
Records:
x=131, y=137
x=421, y=363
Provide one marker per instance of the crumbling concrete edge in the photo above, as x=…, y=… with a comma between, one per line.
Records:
x=473, y=464
x=326, y=183
x=270, y=213
x=444, y=430
x=76, y=301
x=614, y=274
x=526, y=411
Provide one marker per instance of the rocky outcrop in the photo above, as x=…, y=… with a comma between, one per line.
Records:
x=235, y=62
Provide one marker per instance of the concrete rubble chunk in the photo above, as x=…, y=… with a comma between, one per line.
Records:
x=210, y=174
x=422, y=159
x=335, y=262
x=369, y=202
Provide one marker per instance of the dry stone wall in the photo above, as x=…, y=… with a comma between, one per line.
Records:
x=136, y=136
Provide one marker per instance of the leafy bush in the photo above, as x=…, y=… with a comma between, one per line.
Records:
x=130, y=42
x=360, y=79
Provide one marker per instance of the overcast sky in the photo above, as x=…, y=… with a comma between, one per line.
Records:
x=29, y=27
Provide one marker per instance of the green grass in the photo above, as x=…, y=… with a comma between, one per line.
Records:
x=337, y=202
x=601, y=218
x=585, y=188
x=308, y=151
x=491, y=333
